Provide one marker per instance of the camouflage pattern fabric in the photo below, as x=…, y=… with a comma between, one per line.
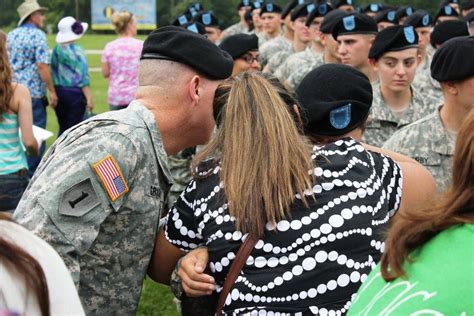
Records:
x=236, y=28
x=382, y=123
x=302, y=70
x=278, y=59
x=429, y=143
x=294, y=61
x=180, y=167
x=428, y=87
x=262, y=38
x=272, y=47
x=106, y=242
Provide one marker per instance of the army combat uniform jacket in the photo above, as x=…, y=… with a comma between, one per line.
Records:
x=298, y=74
x=306, y=56
x=382, y=123
x=272, y=47
x=429, y=143
x=96, y=198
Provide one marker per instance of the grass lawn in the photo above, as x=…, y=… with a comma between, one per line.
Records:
x=156, y=299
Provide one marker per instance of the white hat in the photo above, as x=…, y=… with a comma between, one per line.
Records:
x=27, y=8
x=70, y=29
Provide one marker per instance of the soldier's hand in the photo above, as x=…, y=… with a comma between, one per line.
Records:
x=195, y=282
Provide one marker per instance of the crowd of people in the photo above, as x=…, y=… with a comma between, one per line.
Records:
x=311, y=159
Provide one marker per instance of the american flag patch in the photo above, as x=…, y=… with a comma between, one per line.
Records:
x=111, y=177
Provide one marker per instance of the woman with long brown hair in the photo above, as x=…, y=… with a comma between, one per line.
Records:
x=317, y=211
x=15, y=115
x=33, y=278
x=428, y=264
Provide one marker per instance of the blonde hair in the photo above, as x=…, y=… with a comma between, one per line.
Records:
x=120, y=21
x=264, y=159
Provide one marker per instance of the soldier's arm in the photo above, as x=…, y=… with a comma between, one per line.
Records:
x=69, y=199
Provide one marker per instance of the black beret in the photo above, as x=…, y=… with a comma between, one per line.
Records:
x=331, y=19
x=446, y=2
x=328, y=110
x=468, y=5
x=290, y=6
x=256, y=5
x=470, y=17
x=404, y=12
x=321, y=10
x=373, y=7
x=180, y=20
x=446, y=10
x=244, y=3
x=270, y=7
x=186, y=47
x=195, y=27
x=394, y=38
x=340, y=3
x=389, y=16
x=239, y=44
x=355, y=24
x=447, y=30
x=302, y=10
x=207, y=18
x=193, y=9
x=453, y=60
x=420, y=18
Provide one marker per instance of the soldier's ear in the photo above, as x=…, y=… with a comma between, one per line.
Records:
x=193, y=89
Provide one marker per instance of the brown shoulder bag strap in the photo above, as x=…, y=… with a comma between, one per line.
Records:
x=235, y=268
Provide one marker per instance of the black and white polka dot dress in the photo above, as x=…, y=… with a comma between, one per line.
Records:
x=312, y=263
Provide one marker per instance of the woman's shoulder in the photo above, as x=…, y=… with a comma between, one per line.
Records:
x=20, y=92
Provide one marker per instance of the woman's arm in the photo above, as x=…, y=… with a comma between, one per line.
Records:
x=87, y=93
x=105, y=70
x=25, y=116
x=164, y=259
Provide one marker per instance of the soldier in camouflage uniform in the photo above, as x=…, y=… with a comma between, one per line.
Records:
x=315, y=48
x=383, y=123
x=442, y=32
x=394, y=55
x=422, y=21
x=431, y=140
x=270, y=15
x=241, y=26
x=300, y=41
x=329, y=56
x=282, y=42
x=98, y=193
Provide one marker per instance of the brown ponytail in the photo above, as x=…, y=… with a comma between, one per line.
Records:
x=260, y=148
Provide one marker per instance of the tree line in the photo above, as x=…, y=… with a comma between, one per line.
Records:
x=226, y=10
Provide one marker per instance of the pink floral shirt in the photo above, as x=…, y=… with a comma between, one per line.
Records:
x=123, y=56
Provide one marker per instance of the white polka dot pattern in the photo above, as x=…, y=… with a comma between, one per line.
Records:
x=313, y=262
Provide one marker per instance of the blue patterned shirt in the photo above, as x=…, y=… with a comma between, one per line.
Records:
x=69, y=66
x=27, y=46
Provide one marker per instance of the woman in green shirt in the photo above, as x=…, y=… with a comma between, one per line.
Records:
x=428, y=264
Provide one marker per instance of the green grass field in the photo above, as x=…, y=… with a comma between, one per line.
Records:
x=156, y=299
